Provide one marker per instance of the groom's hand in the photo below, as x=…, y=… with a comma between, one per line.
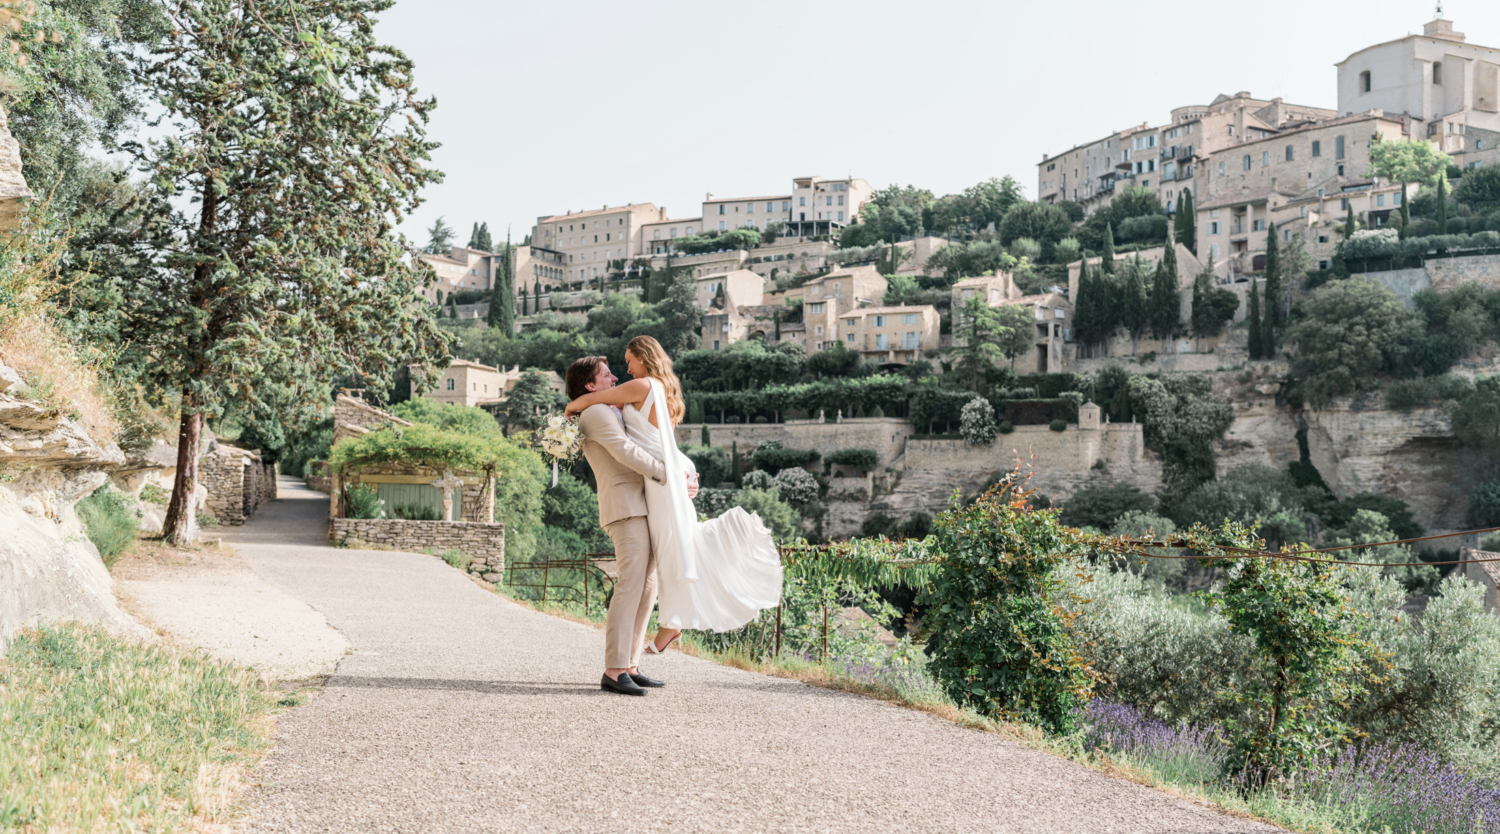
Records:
x=692, y=479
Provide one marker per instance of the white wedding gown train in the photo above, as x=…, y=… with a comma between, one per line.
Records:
x=714, y=575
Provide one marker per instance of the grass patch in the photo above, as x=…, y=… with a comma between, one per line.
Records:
x=98, y=733
x=110, y=522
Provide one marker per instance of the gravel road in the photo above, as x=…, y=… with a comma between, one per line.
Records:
x=459, y=711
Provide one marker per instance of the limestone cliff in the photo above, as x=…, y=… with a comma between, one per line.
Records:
x=48, y=568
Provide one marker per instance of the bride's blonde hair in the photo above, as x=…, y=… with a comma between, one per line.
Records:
x=659, y=366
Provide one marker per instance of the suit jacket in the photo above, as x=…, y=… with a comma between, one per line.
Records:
x=620, y=466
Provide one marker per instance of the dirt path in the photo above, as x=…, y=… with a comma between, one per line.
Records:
x=460, y=711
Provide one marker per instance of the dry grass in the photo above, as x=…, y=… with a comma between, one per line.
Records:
x=103, y=734
x=59, y=374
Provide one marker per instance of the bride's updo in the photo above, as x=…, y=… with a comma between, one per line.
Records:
x=659, y=366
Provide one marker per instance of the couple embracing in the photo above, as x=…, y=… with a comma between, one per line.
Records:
x=714, y=575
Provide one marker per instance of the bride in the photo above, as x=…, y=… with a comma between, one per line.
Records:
x=714, y=575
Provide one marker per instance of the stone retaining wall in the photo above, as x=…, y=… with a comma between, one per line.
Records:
x=886, y=435
x=484, y=544
x=238, y=482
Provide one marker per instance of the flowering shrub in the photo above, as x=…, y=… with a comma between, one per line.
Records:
x=797, y=485
x=756, y=479
x=977, y=422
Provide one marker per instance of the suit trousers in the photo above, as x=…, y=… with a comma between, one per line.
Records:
x=635, y=593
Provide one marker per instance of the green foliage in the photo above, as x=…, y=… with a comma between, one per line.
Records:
x=572, y=506
x=1166, y=296
x=863, y=458
x=460, y=419
x=1367, y=527
x=976, y=337
x=999, y=605
x=1182, y=417
x=1475, y=415
x=1213, y=306
x=1397, y=514
x=779, y=516
x=1058, y=425
x=1135, y=201
x=110, y=521
x=711, y=462
x=1102, y=507
x=417, y=512
x=1349, y=332
x=529, y=403
x=962, y=260
x=439, y=238
x=1407, y=161
x=751, y=364
x=1480, y=188
x=1248, y=495
x=1294, y=708
x=681, y=319
x=773, y=459
x=1043, y=223
x=717, y=241
x=1067, y=250
x=835, y=362
x=234, y=281
x=977, y=422
x=1484, y=506
x=364, y=501
x=798, y=486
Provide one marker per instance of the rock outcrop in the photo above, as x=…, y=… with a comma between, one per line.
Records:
x=49, y=570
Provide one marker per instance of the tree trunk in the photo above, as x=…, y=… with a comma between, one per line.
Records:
x=181, y=525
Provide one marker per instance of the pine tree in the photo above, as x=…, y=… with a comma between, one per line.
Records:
x=281, y=175
x=1442, y=202
x=474, y=237
x=1166, y=296
x=1273, y=292
x=485, y=243
x=1107, y=262
x=1257, y=347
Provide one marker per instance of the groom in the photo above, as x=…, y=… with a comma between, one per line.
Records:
x=620, y=468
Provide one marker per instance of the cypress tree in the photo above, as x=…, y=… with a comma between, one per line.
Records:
x=705, y=426
x=1257, y=348
x=1349, y=220
x=1405, y=215
x=1108, y=261
x=1442, y=204
x=1273, y=294
x=734, y=464
x=536, y=293
x=452, y=306
x=1166, y=295
x=1134, y=308
x=503, y=293
x=1177, y=218
x=474, y=237
x=1189, y=222
x=485, y=243
x=646, y=284
x=1083, y=307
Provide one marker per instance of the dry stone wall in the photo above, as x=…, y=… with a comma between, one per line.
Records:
x=484, y=544
x=238, y=482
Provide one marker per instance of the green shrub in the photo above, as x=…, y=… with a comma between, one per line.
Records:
x=1006, y=427
x=1406, y=394
x=878, y=524
x=1102, y=507
x=1484, y=505
x=999, y=605
x=864, y=458
x=774, y=460
x=779, y=516
x=417, y=512
x=712, y=464
x=155, y=495
x=364, y=501
x=110, y=521
x=1403, y=524
x=877, y=411
x=1058, y=425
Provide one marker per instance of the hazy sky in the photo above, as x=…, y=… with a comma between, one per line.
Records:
x=545, y=107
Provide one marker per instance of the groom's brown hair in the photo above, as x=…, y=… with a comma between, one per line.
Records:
x=582, y=372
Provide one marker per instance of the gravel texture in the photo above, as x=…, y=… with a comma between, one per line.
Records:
x=460, y=711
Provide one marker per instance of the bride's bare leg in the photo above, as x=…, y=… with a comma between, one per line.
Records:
x=664, y=638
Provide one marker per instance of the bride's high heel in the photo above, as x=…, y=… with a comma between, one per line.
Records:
x=652, y=649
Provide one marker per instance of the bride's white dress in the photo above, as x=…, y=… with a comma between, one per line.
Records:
x=729, y=569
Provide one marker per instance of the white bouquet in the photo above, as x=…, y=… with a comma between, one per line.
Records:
x=561, y=440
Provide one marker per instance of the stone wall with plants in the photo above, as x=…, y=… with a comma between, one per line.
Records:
x=483, y=544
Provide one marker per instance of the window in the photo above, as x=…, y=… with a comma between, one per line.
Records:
x=1344, y=203
x=1317, y=149
x=882, y=341
x=836, y=289
x=656, y=235
x=1341, y=170
x=820, y=327
x=908, y=318
x=910, y=340
x=1041, y=313
x=1247, y=162
x=749, y=208
x=1213, y=227
x=851, y=338
x=1287, y=235
x=841, y=217
x=880, y=321
x=450, y=385
x=850, y=322
x=1437, y=73
x=1364, y=81
x=786, y=205
x=1058, y=313
x=1221, y=169
x=801, y=201
x=1338, y=148
x=1213, y=250
x=817, y=309
x=1259, y=225
x=1379, y=199
x=1397, y=197
x=1231, y=130
x=721, y=208
x=606, y=237
x=1288, y=153
x=1265, y=158
x=841, y=199
x=770, y=207
x=688, y=230
x=721, y=225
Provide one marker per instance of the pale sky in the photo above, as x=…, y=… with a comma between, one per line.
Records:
x=546, y=107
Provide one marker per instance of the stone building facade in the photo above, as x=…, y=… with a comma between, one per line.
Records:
x=238, y=482
x=1487, y=574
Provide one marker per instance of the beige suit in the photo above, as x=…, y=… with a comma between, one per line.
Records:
x=620, y=468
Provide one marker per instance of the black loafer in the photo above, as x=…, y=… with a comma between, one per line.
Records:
x=625, y=685
x=642, y=680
